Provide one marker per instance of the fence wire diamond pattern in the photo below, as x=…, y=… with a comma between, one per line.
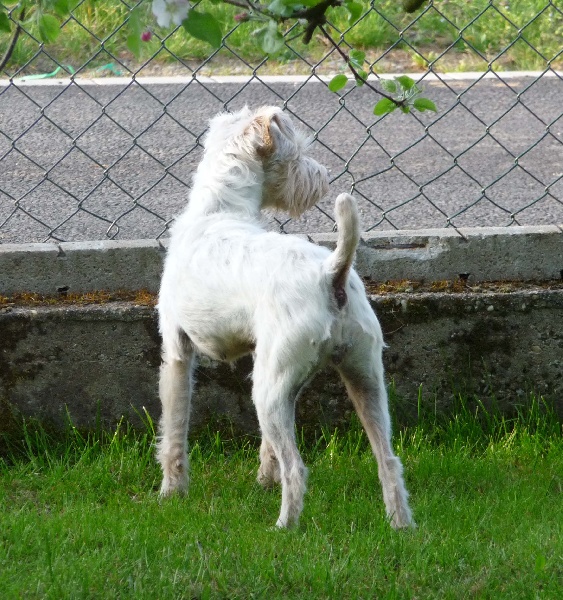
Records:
x=92, y=157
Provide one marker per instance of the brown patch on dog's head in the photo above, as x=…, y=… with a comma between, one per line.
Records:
x=263, y=124
x=268, y=125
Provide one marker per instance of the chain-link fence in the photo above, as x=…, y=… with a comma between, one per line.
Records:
x=91, y=156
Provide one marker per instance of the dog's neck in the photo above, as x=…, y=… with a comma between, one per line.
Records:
x=225, y=184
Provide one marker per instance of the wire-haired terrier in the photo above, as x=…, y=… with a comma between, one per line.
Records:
x=231, y=288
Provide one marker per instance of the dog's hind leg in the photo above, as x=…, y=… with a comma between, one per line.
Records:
x=362, y=373
x=269, y=471
x=175, y=389
x=274, y=393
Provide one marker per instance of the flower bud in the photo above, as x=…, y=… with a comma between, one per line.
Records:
x=242, y=17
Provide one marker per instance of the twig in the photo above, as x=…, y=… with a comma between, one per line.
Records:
x=357, y=76
x=10, y=48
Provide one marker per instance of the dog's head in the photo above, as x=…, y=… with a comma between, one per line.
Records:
x=292, y=180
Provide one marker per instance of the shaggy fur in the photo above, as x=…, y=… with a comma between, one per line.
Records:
x=230, y=288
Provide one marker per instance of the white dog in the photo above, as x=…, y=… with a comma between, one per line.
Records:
x=230, y=288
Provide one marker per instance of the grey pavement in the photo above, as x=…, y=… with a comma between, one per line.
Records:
x=87, y=162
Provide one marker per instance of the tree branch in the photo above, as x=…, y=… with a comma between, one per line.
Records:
x=315, y=17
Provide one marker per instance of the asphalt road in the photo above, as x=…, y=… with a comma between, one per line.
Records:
x=86, y=162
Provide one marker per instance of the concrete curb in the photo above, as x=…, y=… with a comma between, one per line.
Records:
x=186, y=79
x=80, y=266
x=481, y=254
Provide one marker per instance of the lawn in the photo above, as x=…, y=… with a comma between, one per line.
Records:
x=524, y=35
x=80, y=516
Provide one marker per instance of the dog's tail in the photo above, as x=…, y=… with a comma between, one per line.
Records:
x=339, y=263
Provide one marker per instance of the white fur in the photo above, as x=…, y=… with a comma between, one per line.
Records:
x=230, y=288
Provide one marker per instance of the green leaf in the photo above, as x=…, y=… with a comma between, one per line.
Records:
x=134, y=26
x=383, y=107
x=405, y=108
x=61, y=7
x=49, y=28
x=270, y=38
x=337, y=83
x=388, y=85
x=414, y=91
x=134, y=23
x=358, y=55
x=405, y=82
x=357, y=58
x=285, y=8
x=5, y=23
x=364, y=77
x=134, y=44
x=280, y=7
x=355, y=9
x=307, y=3
x=422, y=104
x=203, y=26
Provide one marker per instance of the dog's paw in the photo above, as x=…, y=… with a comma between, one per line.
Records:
x=170, y=487
x=267, y=480
x=403, y=521
x=288, y=525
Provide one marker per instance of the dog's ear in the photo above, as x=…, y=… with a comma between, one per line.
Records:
x=272, y=130
x=266, y=147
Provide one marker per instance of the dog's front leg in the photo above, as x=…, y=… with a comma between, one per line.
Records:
x=175, y=394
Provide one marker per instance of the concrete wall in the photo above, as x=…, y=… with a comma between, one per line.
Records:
x=101, y=362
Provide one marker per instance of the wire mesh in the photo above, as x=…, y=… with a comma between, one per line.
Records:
x=86, y=154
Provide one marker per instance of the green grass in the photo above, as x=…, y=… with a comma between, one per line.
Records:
x=509, y=35
x=80, y=517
